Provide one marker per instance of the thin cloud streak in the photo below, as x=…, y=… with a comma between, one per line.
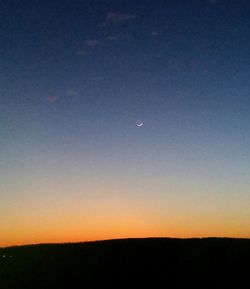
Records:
x=155, y=33
x=81, y=52
x=116, y=17
x=92, y=42
x=72, y=92
x=113, y=37
x=52, y=98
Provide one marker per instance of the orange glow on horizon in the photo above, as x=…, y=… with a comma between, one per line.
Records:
x=74, y=234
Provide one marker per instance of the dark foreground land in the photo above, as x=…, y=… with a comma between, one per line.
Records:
x=128, y=263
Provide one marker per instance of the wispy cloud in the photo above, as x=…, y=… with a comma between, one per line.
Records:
x=116, y=17
x=81, y=52
x=102, y=24
x=89, y=44
x=155, y=33
x=72, y=92
x=52, y=98
x=92, y=42
x=113, y=37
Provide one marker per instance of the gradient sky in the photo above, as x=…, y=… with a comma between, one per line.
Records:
x=77, y=77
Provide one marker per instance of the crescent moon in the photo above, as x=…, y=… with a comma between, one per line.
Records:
x=139, y=124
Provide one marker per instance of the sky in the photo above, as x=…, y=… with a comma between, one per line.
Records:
x=124, y=118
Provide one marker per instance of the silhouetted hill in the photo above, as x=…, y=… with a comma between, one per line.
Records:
x=128, y=263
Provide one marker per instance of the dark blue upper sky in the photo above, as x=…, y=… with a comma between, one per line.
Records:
x=180, y=66
x=182, y=63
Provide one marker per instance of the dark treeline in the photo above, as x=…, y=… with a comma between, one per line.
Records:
x=128, y=263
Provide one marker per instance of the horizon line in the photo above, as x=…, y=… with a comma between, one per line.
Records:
x=120, y=239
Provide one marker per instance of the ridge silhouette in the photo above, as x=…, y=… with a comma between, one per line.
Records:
x=128, y=263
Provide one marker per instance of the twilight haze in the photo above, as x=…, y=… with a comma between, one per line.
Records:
x=124, y=119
